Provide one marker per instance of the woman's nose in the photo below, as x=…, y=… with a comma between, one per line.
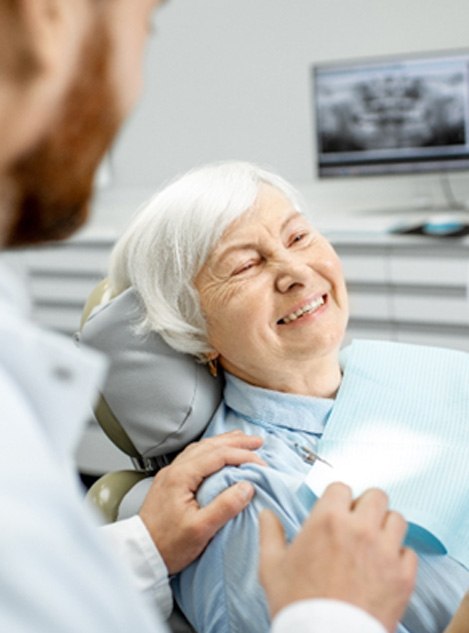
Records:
x=291, y=273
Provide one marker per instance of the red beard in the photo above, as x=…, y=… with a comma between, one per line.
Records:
x=53, y=183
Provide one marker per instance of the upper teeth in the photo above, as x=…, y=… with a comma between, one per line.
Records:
x=309, y=307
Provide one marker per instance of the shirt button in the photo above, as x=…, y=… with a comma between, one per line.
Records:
x=64, y=374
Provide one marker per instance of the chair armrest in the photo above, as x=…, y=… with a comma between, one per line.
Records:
x=108, y=491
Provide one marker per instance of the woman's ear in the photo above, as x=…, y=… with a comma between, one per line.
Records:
x=212, y=363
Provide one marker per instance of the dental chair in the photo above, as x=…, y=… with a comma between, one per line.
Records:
x=154, y=402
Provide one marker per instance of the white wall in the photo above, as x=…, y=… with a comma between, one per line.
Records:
x=230, y=79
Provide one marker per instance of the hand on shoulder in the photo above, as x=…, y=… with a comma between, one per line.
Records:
x=180, y=528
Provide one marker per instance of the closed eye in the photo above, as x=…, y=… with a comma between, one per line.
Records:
x=297, y=237
x=245, y=267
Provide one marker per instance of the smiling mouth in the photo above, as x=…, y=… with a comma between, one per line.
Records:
x=308, y=308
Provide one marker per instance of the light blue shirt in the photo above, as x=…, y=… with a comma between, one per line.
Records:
x=220, y=593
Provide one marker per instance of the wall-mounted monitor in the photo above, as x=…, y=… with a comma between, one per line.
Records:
x=405, y=114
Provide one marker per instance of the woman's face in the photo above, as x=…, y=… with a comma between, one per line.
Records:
x=273, y=294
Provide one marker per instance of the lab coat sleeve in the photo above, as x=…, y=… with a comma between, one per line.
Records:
x=56, y=574
x=325, y=616
x=133, y=544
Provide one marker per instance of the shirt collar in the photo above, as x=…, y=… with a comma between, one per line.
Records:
x=268, y=407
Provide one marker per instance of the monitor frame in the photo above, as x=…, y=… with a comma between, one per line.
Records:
x=398, y=161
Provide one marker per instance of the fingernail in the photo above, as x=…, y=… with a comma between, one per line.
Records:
x=246, y=489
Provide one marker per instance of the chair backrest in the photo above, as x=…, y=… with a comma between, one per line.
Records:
x=155, y=400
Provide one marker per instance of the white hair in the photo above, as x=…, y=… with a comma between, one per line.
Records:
x=171, y=238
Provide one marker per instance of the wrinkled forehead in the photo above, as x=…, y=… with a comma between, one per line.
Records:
x=255, y=203
x=271, y=213
x=271, y=208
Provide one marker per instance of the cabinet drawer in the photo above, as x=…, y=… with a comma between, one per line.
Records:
x=65, y=289
x=369, y=305
x=63, y=318
x=68, y=259
x=382, y=330
x=431, y=309
x=448, y=339
x=365, y=268
x=428, y=270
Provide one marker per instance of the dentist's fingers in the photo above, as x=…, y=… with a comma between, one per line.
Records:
x=272, y=545
x=372, y=506
x=224, y=507
x=170, y=512
x=346, y=550
x=460, y=620
x=211, y=454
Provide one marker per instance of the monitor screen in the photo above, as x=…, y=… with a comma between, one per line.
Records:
x=389, y=116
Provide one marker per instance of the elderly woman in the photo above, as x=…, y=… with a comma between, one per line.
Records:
x=229, y=269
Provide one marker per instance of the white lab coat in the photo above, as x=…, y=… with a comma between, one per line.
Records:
x=57, y=574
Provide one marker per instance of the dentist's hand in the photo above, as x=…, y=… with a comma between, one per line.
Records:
x=460, y=620
x=179, y=527
x=347, y=550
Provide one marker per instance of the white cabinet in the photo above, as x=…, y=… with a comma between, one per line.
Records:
x=411, y=289
x=401, y=288
x=61, y=276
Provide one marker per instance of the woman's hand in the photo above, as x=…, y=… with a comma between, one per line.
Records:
x=347, y=550
x=178, y=526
